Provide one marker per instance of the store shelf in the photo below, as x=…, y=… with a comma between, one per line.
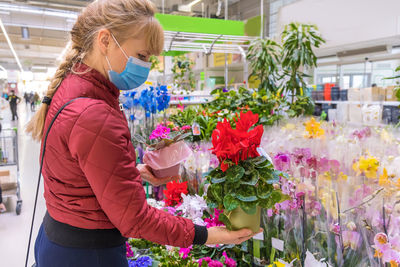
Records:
x=189, y=102
x=384, y=103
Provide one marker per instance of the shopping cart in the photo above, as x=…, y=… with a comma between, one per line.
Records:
x=9, y=166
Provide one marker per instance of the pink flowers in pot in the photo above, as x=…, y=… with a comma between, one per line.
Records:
x=161, y=132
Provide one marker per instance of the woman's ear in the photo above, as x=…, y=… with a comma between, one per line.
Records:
x=103, y=40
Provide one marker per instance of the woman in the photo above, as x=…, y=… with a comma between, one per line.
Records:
x=93, y=189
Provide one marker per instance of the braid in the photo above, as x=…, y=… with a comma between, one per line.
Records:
x=36, y=126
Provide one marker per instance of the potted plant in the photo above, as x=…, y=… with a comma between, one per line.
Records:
x=165, y=150
x=298, y=42
x=183, y=75
x=245, y=181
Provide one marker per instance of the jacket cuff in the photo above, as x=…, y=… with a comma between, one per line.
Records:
x=200, y=235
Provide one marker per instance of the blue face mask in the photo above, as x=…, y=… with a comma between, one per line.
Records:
x=134, y=75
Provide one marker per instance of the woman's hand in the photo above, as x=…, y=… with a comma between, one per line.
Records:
x=221, y=235
x=148, y=176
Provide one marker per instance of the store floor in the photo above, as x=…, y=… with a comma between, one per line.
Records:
x=14, y=230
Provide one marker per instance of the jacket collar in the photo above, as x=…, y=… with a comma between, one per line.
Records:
x=103, y=88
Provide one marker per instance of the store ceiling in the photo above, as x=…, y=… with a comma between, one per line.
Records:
x=49, y=22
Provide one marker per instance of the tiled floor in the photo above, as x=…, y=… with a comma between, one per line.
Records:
x=14, y=230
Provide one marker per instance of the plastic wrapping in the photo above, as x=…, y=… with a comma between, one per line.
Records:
x=166, y=161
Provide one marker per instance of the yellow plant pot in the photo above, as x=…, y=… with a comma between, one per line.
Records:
x=240, y=219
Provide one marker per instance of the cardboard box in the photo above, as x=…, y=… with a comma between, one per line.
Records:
x=355, y=113
x=7, y=181
x=353, y=94
x=390, y=93
x=373, y=94
x=372, y=114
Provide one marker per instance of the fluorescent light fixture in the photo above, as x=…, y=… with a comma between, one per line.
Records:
x=39, y=11
x=39, y=67
x=10, y=45
x=327, y=59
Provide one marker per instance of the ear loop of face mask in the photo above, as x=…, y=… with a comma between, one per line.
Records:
x=108, y=61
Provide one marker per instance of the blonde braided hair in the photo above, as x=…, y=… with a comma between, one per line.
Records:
x=119, y=16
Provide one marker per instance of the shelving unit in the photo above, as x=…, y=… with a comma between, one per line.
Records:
x=384, y=103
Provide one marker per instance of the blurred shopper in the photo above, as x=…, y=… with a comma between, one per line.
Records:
x=34, y=100
x=93, y=188
x=2, y=206
x=26, y=98
x=14, y=101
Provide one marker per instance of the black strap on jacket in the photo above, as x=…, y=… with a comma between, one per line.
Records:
x=40, y=173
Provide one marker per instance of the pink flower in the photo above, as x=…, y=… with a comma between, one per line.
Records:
x=184, y=252
x=228, y=261
x=206, y=259
x=270, y=212
x=181, y=107
x=129, y=252
x=160, y=132
x=335, y=228
x=282, y=162
x=285, y=205
x=186, y=127
x=215, y=264
x=213, y=220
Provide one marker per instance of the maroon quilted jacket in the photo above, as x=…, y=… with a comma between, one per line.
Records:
x=89, y=171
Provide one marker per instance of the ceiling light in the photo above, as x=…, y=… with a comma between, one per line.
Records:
x=10, y=45
x=39, y=67
x=39, y=11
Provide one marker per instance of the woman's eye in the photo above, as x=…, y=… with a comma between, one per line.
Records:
x=142, y=57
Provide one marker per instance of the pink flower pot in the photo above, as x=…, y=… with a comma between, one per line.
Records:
x=166, y=162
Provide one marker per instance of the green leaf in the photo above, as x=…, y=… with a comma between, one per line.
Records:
x=223, y=218
x=216, y=192
x=249, y=207
x=264, y=190
x=246, y=193
x=230, y=203
x=235, y=173
x=251, y=179
x=276, y=197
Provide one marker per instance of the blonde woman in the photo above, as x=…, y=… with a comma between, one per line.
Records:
x=93, y=188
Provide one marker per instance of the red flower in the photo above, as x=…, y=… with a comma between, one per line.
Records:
x=237, y=144
x=173, y=193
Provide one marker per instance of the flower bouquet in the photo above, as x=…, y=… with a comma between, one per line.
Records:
x=244, y=182
x=165, y=150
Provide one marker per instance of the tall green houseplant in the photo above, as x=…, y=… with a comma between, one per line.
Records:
x=298, y=42
x=264, y=55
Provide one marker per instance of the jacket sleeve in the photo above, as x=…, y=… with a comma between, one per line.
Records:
x=100, y=142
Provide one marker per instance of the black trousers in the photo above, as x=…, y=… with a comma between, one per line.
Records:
x=1, y=196
x=13, y=108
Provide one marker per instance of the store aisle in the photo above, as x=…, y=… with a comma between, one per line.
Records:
x=14, y=230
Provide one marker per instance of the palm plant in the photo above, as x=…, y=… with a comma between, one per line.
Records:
x=298, y=42
x=263, y=55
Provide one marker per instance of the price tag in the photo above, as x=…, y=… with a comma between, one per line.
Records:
x=277, y=244
x=196, y=129
x=259, y=236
